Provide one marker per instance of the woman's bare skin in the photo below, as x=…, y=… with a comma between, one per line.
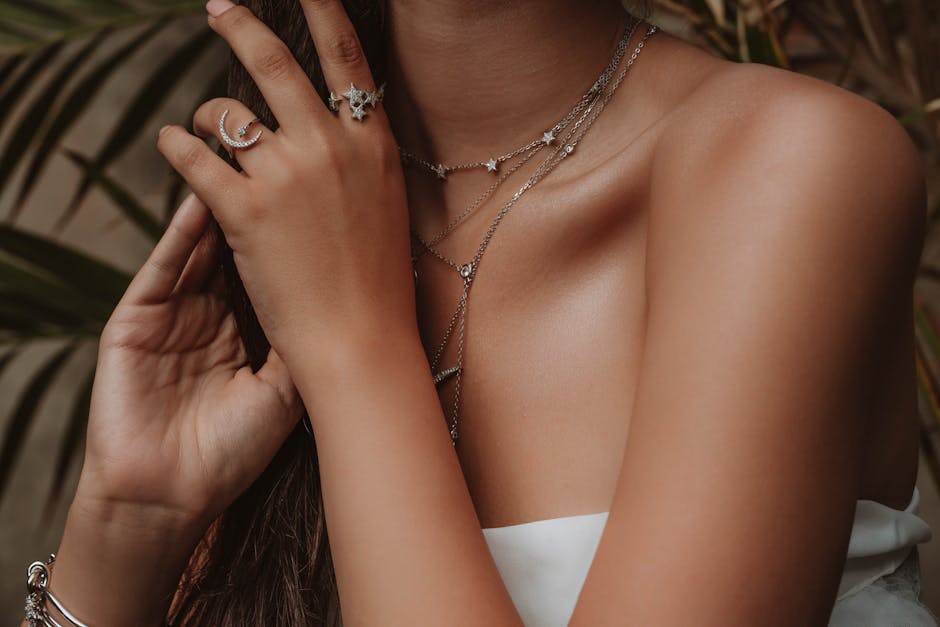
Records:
x=557, y=314
x=701, y=322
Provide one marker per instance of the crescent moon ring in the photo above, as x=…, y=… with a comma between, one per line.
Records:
x=234, y=143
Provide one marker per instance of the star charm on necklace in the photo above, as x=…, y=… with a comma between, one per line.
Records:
x=548, y=137
x=492, y=165
x=440, y=170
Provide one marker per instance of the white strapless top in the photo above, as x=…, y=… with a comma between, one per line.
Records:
x=544, y=564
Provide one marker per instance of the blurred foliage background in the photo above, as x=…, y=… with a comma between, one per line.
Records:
x=61, y=58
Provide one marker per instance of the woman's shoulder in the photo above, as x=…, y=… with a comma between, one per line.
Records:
x=751, y=115
x=751, y=143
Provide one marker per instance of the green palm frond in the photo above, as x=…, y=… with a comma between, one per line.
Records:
x=48, y=290
x=25, y=410
x=56, y=58
x=30, y=25
x=75, y=427
x=149, y=97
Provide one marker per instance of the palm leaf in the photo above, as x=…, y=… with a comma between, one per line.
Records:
x=71, y=444
x=36, y=14
x=7, y=68
x=138, y=112
x=65, y=265
x=11, y=95
x=30, y=30
x=26, y=318
x=25, y=411
x=9, y=355
x=74, y=105
x=22, y=279
x=29, y=124
x=130, y=207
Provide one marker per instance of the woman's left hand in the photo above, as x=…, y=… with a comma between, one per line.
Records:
x=318, y=218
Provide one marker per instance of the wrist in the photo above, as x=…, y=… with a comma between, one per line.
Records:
x=321, y=363
x=120, y=564
x=137, y=519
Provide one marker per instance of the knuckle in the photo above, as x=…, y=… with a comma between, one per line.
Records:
x=330, y=157
x=190, y=156
x=274, y=61
x=254, y=213
x=237, y=18
x=344, y=48
x=216, y=106
x=207, y=111
x=160, y=267
x=285, y=171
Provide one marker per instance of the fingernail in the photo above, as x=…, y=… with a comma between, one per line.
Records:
x=215, y=8
x=163, y=129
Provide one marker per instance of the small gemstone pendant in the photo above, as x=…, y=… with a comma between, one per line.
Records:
x=465, y=270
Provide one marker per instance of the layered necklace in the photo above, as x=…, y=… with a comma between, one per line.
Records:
x=560, y=141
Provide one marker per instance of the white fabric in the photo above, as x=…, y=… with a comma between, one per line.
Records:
x=544, y=564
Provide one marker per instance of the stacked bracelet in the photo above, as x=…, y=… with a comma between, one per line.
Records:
x=37, y=582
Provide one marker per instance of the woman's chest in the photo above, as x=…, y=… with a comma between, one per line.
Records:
x=551, y=345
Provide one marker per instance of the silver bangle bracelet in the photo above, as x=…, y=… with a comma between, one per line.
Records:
x=37, y=587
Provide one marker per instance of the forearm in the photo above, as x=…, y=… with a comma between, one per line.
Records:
x=405, y=538
x=119, y=564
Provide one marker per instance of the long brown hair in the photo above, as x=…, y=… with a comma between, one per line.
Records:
x=266, y=560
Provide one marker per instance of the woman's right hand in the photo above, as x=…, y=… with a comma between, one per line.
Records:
x=177, y=419
x=179, y=426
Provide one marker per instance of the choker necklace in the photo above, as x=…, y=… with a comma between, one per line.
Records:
x=467, y=271
x=524, y=152
x=548, y=138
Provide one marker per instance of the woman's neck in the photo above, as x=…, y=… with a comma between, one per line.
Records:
x=470, y=78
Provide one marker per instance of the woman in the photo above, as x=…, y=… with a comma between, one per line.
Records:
x=716, y=261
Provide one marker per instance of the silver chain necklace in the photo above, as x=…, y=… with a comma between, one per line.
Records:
x=467, y=271
x=548, y=138
x=527, y=152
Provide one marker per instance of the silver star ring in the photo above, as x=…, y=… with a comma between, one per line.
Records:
x=358, y=100
x=241, y=132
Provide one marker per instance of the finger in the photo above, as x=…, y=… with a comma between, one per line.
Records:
x=239, y=124
x=214, y=181
x=341, y=56
x=283, y=83
x=155, y=280
x=202, y=265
